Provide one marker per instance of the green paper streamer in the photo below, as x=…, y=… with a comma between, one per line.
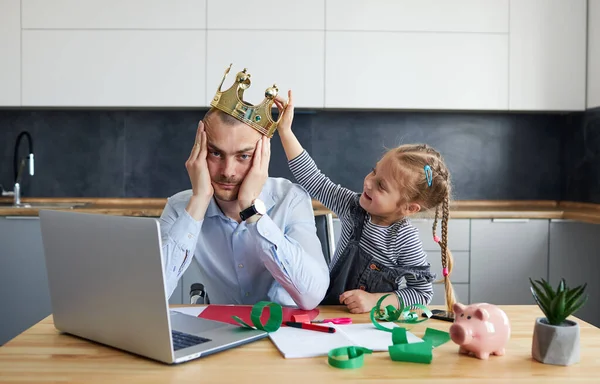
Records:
x=353, y=357
x=399, y=336
x=436, y=337
x=392, y=314
x=412, y=353
x=274, y=321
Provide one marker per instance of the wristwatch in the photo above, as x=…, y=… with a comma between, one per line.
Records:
x=257, y=207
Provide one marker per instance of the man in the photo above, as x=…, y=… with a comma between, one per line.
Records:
x=253, y=236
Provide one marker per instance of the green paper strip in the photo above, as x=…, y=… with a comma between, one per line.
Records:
x=436, y=337
x=399, y=336
x=412, y=353
x=392, y=314
x=274, y=321
x=347, y=357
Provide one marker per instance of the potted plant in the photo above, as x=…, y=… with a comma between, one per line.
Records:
x=556, y=339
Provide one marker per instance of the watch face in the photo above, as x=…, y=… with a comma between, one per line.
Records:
x=260, y=206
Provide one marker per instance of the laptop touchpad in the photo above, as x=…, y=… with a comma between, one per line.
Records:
x=193, y=325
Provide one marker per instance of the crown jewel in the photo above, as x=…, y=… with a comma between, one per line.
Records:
x=232, y=102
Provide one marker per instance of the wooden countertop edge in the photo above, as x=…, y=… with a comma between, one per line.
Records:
x=460, y=209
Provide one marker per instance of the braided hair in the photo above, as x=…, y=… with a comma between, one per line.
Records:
x=432, y=191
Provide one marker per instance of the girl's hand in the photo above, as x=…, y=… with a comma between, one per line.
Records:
x=359, y=301
x=285, y=124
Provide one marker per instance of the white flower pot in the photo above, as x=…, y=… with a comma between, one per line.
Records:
x=555, y=344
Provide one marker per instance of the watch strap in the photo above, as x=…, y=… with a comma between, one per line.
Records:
x=248, y=212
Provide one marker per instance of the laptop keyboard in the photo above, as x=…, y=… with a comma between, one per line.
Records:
x=184, y=340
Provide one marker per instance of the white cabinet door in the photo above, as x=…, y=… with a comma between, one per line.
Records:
x=547, y=54
x=114, y=14
x=266, y=15
x=296, y=62
x=10, y=51
x=418, y=16
x=113, y=68
x=416, y=70
x=593, y=59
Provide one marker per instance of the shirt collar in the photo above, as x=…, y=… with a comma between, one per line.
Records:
x=266, y=196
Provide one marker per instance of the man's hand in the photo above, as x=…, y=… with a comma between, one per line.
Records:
x=202, y=189
x=257, y=176
x=359, y=301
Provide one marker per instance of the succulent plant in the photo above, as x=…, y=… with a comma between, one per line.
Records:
x=558, y=304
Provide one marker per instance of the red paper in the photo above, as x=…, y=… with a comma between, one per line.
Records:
x=224, y=313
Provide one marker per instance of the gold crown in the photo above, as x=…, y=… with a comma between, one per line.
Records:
x=232, y=102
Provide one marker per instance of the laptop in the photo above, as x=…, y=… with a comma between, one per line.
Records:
x=106, y=282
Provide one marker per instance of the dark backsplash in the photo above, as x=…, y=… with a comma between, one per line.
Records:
x=141, y=153
x=581, y=158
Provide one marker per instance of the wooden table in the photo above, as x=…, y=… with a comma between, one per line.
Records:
x=41, y=354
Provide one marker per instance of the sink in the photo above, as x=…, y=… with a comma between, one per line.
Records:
x=64, y=205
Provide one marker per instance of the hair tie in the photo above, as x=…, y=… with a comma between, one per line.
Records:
x=428, y=174
x=436, y=239
x=445, y=272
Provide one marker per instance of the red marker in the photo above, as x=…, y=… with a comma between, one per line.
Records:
x=311, y=327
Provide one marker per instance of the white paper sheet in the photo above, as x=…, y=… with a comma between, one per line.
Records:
x=192, y=311
x=300, y=343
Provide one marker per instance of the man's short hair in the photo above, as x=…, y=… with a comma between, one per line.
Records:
x=223, y=117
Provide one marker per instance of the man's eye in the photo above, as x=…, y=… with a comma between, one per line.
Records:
x=215, y=154
x=244, y=157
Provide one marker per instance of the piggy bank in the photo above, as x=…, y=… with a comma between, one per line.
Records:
x=480, y=329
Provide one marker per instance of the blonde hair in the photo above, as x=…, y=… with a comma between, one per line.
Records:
x=431, y=192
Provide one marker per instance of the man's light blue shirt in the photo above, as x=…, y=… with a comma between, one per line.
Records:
x=277, y=258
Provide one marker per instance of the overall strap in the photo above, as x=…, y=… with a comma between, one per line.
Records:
x=358, y=215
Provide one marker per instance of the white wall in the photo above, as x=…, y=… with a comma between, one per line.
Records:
x=10, y=52
x=593, y=59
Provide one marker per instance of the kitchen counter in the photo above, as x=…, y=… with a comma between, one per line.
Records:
x=461, y=209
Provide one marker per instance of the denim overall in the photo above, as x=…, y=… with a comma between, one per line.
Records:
x=356, y=269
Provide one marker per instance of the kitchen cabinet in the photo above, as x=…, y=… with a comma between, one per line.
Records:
x=379, y=70
x=547, y=55
x=417, y=55
x=505, y=253
x=473, y=16
x=266, y=15
x=135, y=68
x=114, y=14
x=461, y=294
x=299, y=58
x=459, y=243
x=593, y=54
x=574, y=257
x=10, y=46
x=24, y=295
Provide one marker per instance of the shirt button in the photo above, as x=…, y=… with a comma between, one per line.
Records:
x=190, y=235
x=266, y=233
x=240, y=265
x=247, y=294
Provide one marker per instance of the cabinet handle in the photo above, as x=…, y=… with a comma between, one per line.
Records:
x=561, y=220
x=22, y=217
x=510, y=220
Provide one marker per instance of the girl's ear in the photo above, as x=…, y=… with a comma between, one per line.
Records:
x=413, y=208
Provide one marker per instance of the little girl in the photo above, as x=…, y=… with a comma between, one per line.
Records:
x=378, y=246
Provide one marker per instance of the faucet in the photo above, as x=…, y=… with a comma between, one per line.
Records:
x=18, y=169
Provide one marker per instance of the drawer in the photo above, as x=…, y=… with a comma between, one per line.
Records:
x=461, y=292
x=460, y=269
x=458, y=234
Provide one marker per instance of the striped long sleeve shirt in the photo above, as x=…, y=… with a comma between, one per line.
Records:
x=395, y=245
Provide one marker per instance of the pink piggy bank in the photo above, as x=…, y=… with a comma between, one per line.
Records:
x=480, y=329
